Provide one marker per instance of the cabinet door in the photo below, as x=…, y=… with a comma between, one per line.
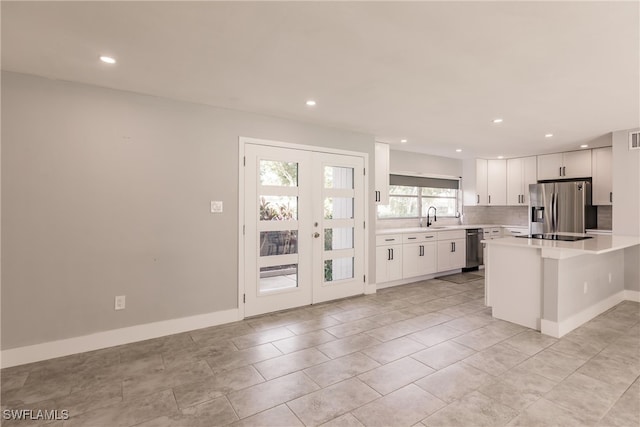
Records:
x=514, y=182
x=411, y=260
x=383, y=259
x=445, y=247
x=458, y=257
x=497, y=182
x=481, y=182
x=602, y=189
x=395, y=266
x=381, y=194
x=550, y=166
x=529, y=176
x=429, y=260
x=577, y=164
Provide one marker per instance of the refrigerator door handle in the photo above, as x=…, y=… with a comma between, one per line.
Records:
x=553, y=212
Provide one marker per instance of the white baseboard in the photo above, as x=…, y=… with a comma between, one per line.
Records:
x=49, y=350
x=632, y=295
x=559, y=329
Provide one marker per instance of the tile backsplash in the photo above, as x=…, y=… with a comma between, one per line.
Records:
x=506, y=215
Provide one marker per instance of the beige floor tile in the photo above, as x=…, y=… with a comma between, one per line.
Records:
x=581, y=350
x=300, y=342
x=517, y=388
x=389, y=317
x=346, y=420
x=626, y=411
x=496, y=360
x=454, y=381
x=344, y=346
x=245, y=357
x=586, y=395
x=544, y=413
x=530, y=342
x=611, y=370
x=552, y=364
x=480, y=339
x=194, y=353
x=393, y=350
x=282, y=365
x=216, y=386
x=435, y=335
x=404, y=407
x=216, y=412
x=280, y=416
x=313, y=325
x=128, y=413
x=395, y=330
x=262, y=337
x=340, y=369
x=394, y=375
x=222, y=332
x=352, y=328
x=443, y=354
x=475, y=409
x=328, y=403
x=269, y=394
x=184, y=374
x=469, y=323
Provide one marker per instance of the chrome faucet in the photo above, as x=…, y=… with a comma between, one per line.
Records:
x=434, y=215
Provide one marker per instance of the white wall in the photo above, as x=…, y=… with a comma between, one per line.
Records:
x=107, y=193
x=424, y=164
x=626, y=202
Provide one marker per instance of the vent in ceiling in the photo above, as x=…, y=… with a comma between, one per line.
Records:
x=634, y=140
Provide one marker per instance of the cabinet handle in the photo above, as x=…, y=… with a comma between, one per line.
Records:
x=478, y=199
x=454, y=246
x=428, y=237
x=388, y=254
x=451, y=247
x=489, y=198
x=421, y=253
x=389, y=240
x=560, y=171
x=391, y=253
x=411, y=238
x=611, y=196
x=564, y=171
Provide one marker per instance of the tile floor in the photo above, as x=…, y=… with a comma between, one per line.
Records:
x=427, y=353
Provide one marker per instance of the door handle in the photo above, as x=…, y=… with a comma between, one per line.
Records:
x=316, y=234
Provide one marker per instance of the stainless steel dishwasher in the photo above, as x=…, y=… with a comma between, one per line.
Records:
x=474, y=248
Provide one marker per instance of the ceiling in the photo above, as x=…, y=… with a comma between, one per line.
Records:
x=434, y=73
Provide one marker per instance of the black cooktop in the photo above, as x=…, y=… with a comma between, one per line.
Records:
x=550, y=236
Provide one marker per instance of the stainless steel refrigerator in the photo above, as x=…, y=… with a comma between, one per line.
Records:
x=557, y=207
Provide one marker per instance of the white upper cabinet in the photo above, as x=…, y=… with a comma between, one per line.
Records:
x=481, y=182
x=496, y=182
x=381, y=193
x=602, y=188
x=520, y=173
x=491, y=182
x=572, y=164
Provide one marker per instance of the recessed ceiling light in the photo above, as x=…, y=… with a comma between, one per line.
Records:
x=458, y=150
x=403, y=141
x=311, y=103
x=584, y=145
x=501, y=157
x=548, y=135
x=497, y=120
x=107, y=60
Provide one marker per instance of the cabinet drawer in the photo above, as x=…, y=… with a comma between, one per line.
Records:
x=515, y=231
x=452, y=234
x=388, y=239
x=419, y=237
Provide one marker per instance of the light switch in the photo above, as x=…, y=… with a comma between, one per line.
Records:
x=216, y=206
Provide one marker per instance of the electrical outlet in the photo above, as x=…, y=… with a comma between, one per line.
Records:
x=120, y=302
x=216, y=206
x=586, y=287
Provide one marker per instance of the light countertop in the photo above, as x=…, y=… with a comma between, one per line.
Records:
x=382, y=231
x=597, y=244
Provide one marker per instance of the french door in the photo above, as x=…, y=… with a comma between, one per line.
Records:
x=304, y=227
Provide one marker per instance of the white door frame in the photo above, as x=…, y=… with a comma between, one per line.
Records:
x=242, y=141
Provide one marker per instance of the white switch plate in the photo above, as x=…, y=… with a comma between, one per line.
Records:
x=120, y=302
x=216, y=206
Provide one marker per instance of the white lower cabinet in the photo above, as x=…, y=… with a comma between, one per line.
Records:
x=419, y=255
x=388, y=258
x=452, y=250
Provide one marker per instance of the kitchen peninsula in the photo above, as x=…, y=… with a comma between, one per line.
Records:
x=555, y=286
